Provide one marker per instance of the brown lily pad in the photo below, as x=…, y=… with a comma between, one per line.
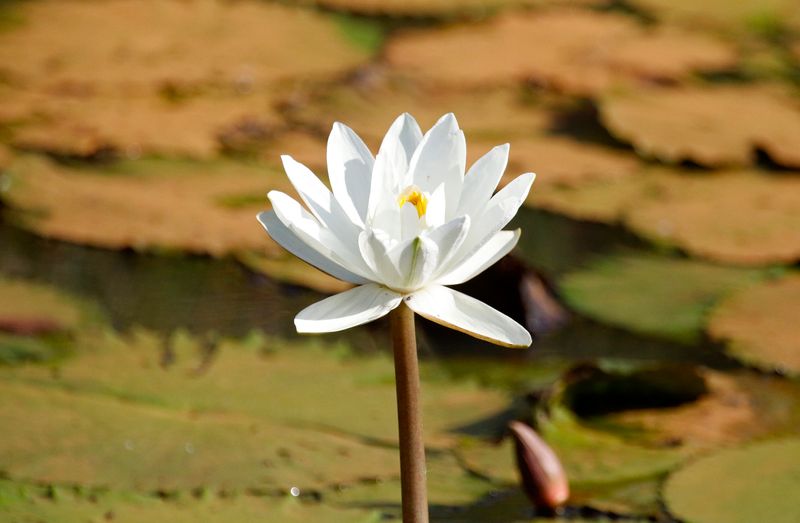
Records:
x=494, y=114
x=557, y=49
x=759, y=325
x=156, y=44
x=738, y=217
x=32, y=308
x=734, y=17
x=90, y=126
x=148, y=204
x=737, y=408
x=420, y=8
x=711, y=126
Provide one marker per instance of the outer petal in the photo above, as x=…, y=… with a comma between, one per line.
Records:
x=319, y=199
x=440, y=159
x=350, y=171
x=289, y=241
x=482, y=179
x=498, y=212
x=466, y=314
x=486, y=256
x=347, y=309
x=308, y=229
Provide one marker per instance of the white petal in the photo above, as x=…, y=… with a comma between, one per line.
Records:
x=309, y=230
x=448, y=237
x=498, y=212
x=347, y=309
x=375, y=245
x=350, y=171
x=319, y=199
x=440, y=159
x=482, y=179
x=486, y=256
x=398, y=147
x=466, y=314
x=409, y=221
x=436, y=212
x=415, y=260
x=289, y=241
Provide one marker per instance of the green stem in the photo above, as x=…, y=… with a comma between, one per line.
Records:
x=409, y=417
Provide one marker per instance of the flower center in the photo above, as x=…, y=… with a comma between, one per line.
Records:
x=415, y=197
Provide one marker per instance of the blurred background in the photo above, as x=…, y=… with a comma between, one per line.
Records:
x=149, y=369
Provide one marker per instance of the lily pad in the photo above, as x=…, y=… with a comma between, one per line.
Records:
x=20, y=503
x=449, y=486
x=94, y=440
x=147, y=204
x=90, y=126
x=733, y=17
x=299, y=386
x=560, y=52
x=711, y=126
x=759, y=482
x=72, y=46
x=35, y=308
x=494, y=114
x=665, y=297
x=737, y=408
x=736, y=217
x=760, y=326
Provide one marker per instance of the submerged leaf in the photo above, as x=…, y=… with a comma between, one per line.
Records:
x=653, y=295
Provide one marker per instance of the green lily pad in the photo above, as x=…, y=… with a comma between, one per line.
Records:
x=449, y=485
x=760, y=325
x=96, y=440
x=20, y=503
x=303, y=385
x=759, y=482
x=665, y=297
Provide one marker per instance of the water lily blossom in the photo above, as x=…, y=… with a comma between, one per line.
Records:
x=402, y=226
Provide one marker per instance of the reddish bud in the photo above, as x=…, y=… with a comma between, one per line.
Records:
x=543, y=476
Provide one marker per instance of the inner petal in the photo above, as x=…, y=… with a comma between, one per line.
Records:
x=415, y=196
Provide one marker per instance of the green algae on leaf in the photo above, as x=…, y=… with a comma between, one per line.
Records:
x=660, y=296
x=758, y=482
x=759, y=325
x=22, y=503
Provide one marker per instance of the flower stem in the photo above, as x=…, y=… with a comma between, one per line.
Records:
x=409, y=416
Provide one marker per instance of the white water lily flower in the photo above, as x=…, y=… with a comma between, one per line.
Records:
x=402, y=226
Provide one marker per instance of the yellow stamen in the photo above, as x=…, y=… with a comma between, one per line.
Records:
x=416, y=198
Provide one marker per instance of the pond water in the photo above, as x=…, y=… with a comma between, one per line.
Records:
x=201, y=294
